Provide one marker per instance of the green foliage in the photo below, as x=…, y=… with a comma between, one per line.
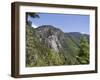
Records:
x=30, y=46
x=39, y=54
x=83, y=56
x=54, y=58
x=32, y=15
x=70, y=51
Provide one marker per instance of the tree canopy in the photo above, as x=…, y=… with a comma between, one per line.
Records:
x=32, y=15
x=83, y=56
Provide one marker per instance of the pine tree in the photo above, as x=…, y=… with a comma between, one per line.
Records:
x=83, y=56
x=32, y=15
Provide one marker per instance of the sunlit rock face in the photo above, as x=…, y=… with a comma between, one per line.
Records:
x=48, y=45
x=50, y=36
x=56, y=39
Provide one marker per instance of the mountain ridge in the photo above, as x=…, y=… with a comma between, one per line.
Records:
x=55, y=47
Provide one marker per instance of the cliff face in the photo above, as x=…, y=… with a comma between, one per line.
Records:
x=47, y=45
x=50, y=36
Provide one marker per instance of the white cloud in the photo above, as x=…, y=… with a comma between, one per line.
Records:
x=33, y=25
x=82, y=32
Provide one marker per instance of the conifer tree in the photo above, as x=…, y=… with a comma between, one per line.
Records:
x=32, y=15
x=83, y=55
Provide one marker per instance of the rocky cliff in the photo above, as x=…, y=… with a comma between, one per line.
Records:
x=49, y=46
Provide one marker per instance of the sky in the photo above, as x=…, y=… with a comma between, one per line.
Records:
x=65, y=22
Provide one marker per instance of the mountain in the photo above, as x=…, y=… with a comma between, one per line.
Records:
x=76, y=36
x=47, y=45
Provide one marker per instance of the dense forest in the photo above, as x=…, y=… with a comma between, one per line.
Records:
x=47, y=45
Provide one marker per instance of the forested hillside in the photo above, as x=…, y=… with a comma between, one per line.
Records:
x=50, y=46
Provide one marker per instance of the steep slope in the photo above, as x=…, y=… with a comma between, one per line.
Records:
x=76, y=36
x=49, y=46
x=35, y=50
x=50, y=36
x=59, y=42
